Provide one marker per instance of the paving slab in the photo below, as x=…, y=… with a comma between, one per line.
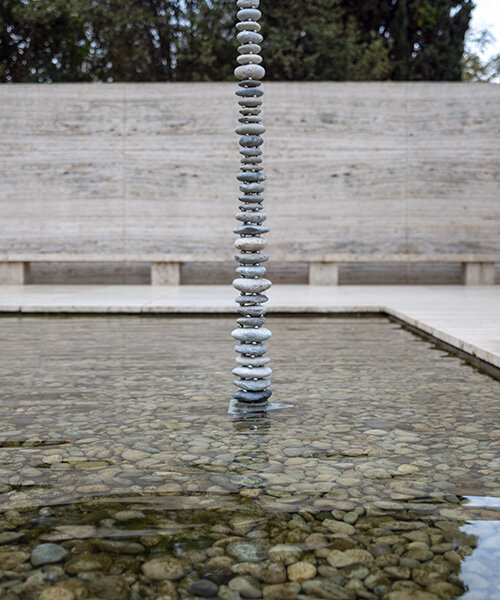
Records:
x=467, y=318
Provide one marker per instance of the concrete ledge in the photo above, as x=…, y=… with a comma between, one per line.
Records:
x=467, y=318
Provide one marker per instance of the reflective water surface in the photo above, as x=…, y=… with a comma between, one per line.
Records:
x=122, y=475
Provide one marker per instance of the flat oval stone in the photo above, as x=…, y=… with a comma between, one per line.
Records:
x=251, y=151
x=251, y=258
x=249, y=83
x=250, y=129
x=252, y=188
x=249, y=37
x=252, y=373
x=249, y=49
x=251, y=271
x=251, y=177
x=251, y=141
x=251, y=322
x=251, y=217
x=250, y=111
x=251, y=334
x=250, y=207
x=252, y=311
x=251, y=160
x=250, y=103
x=257, y=361
x=250, y=93
x=250, y=229
x=251, y=349
x=248, y=3
x=248, y=26
x=252, y=397
x=254, y=168
x=254, y=198
x=249, y=14
x=249, y=59
x=251, y=285
x=251, y=299
x=253, y=71
x=249, y=119
x=251, y=385
x=250, y=244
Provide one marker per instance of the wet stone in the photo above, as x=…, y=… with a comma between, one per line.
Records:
x=165, y=567
x=254, y=372
x=244, y=396
x=44, y=554
x=204, y=588
x=245, y=552
x=249, y=385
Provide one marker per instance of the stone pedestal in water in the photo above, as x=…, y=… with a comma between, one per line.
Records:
x=252, y=370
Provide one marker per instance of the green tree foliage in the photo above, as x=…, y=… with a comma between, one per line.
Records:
x=476, y=68
x=194, y=40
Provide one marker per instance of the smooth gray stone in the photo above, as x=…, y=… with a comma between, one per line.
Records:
x=249, y=59
x=250, y=93
x=251, y=258
x=252, y=243
x=251, y=285
x=246, y=83
x=249, y=14
x=251, y=271
x=249, y=37
x=251, y=349
x=251, y=160
x=249, y=217
x=249, y=49
x=251, y=151
x=252, y=311
x=251, y=299
x=253, y=198
x=250, y=119
x=255, y=168
x=251, y=141
x=250, y=129
x=252, y=373
x=253, y=71
x=250, y=111
x=248, y=26
x=45, y=554
x=251, y=334
x=252, y=188
x=251, y=321
x=257, y=361
x=251, y=177
x=248, y=3
x=204, y=588
x=250, y=207
x=252, y=397
x=250, y=229
x=250, y=385
x=250, y=103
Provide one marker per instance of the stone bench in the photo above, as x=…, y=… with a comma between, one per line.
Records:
x=477, y=269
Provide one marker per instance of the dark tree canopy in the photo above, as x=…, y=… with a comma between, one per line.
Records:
x=194, y=40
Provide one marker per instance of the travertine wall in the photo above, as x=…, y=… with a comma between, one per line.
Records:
x=352, y=167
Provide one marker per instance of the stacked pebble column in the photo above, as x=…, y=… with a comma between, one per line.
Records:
x=252, y=370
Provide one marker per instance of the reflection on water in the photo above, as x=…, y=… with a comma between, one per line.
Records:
x=122, y=476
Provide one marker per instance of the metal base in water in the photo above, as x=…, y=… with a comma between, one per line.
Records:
x=237, y=408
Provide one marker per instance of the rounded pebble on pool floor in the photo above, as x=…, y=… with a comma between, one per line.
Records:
x=300, y=571
x=47, y=553
x=165, y=567
x=245, y=552
x=56, y=593
x=204, y=588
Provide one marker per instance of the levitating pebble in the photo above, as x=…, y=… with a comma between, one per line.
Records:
x=249, y=14
x=249, y=37
x=249, y=59
x=250, y=385
x=252, y=373
x=250, y=229
x=251, y=141
x=249, y=83
x=259, y=334
x=250, y=111
x=251, y=271
x=251, y=322
x=256, y=361
x=251, y=103
x=45, y=554
x=252, y=396
x=250, y=129
x=251, y=258
x=250, y=207
x=249, y=49
x=250, y=244
x=251, y=311
x=250, y=93
x=251, y=160
x=251, y=299
x=251, y=285
x=251, y=349
x=250, y=217
x=248, y=26
x=253, y=198
x=251, y=177
x=251, y=151
x=248, y=3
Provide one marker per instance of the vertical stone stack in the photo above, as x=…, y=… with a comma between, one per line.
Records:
x=252, y=370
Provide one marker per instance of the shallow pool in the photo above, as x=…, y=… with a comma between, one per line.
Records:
x=117, y=450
